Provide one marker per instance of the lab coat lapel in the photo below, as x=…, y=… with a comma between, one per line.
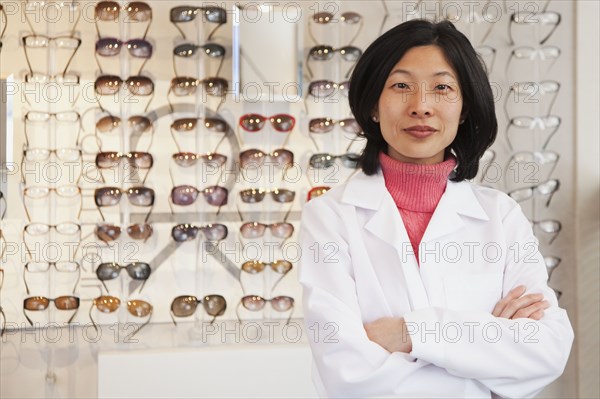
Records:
x=457, y=200
x=385, y=222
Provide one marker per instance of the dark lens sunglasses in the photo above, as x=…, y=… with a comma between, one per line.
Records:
x=186, y=305
x=325, y=17
x=137, y=11
x=254, y=122
x=136, y=85
x=110, y=47
x=185, y=195
x=136, y=270
x=183, y=14
x=252, y=195
x=188, y=159
x=111, y=196
x=40, y=303
x=188, y=232
x=326, y=53
x=325, y=160
x=136, y=231
x=256, y=158
x=188, y=50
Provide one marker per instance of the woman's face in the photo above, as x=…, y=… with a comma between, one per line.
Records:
x=420, y=106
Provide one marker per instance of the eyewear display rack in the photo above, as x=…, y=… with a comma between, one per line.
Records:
x=530, y=80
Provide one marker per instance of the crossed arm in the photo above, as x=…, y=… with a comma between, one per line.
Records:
x=392, y=334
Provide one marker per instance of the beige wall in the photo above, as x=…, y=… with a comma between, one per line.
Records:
x=587, y=177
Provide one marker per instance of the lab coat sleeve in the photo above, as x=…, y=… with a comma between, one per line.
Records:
x=513, y=358
x=348, y=363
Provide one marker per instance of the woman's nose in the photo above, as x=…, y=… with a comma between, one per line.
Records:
x=421, y=103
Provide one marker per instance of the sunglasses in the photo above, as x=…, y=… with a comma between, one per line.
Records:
x=255, y=303
x=186, y=305
x=326, y=53
x=185, y=86
x=187, y=159
x=43, y=267
x=111, y=159
x=110, y=47
x=137, y=11
x=110, y=196
x=182, y=14
x=187, y=232
x=42, y=41
x=257, y=230
x=324, y=18
x=45, y=117
x=552, y=263
x=109, y=304
x=548, y=188
x=189, y=50
x=137, y=124
x=531, y=91
x=135, y=159
x=533, y=54
x=254, y=122
x=544, y=18
x=252, y=195
x=547, y=122
x=185, y=195
x=326, y=125
x=317, y=192
x=40, y=192
x=136, y=231
x=39, y=303
x=136, y=270
x=254, y=157
x=324, y=160
x=107, y=85
x=552, y=227
x=183, y=125
x=325, y=89
x=281, y=267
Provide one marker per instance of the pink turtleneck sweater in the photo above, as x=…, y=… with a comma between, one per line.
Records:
x=416, y=190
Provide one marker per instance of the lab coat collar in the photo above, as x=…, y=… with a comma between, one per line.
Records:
x=369, y=192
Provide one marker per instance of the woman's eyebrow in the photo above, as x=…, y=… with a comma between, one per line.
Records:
x=436, y=74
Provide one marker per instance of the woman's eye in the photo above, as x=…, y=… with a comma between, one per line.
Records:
x=400, y=85
x=442, y=87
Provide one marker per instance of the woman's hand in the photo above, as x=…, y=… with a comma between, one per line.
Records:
x=390, y=333
x=516, y=306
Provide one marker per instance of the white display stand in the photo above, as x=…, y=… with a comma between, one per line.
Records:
x=248, y=371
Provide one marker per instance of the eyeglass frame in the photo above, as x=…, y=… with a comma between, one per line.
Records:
x=64, y=72
x=50, y=190
x=50, y=264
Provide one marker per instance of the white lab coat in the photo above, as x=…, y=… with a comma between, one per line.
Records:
x=357, y=266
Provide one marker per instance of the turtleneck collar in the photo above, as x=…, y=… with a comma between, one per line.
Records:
x=416, y=187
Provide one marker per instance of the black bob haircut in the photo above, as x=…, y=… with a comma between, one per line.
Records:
x=478, y=131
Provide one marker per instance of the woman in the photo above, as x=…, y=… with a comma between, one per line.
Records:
x=416, y=282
